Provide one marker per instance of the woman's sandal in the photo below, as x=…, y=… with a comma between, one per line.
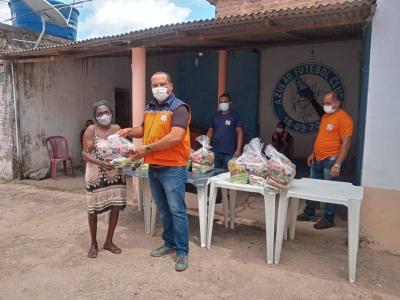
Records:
x=93, y=252
x=113, y=249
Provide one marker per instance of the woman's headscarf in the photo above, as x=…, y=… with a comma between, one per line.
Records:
x=102, y=103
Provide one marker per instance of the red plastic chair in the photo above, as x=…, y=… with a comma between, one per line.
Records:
x=57, y=146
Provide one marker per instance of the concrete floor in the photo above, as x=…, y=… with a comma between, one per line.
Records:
x=45, y=241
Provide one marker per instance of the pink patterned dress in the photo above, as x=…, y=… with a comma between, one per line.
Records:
x=105, y=189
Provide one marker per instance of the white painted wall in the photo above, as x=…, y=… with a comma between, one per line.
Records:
x=381, y=164
x=343, y=57
x=56, y=98
x=7, y=128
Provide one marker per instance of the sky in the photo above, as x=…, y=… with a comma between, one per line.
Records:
x=108, y=17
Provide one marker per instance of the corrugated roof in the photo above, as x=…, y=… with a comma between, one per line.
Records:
x=277, y=24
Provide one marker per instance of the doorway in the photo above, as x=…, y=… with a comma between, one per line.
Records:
x=198, y=85
x=123, y=107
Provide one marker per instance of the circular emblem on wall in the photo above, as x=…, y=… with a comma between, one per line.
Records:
x=298, y=88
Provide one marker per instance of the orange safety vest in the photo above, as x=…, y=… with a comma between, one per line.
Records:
x=157, y=124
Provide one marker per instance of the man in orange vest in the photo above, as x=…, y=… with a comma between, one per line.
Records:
x=329, y=152
x=166, y=148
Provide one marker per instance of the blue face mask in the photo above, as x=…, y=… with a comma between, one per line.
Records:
x=223, y=106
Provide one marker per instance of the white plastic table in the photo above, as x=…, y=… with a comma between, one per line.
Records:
x=145, y=201
x=222, y=181
x=328, y=192
x=200, y=181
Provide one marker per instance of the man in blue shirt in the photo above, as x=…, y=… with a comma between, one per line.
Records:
x=225, y=133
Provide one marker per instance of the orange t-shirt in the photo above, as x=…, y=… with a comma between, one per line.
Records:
x=332, y=129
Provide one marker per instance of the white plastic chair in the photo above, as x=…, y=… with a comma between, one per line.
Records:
x=328, y=192
x=222, y=181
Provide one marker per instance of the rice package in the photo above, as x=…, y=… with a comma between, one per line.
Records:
x=202, y=160
x=281, y=171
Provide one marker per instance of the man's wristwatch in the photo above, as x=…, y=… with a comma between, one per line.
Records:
x=337, y=166
x=149, y=148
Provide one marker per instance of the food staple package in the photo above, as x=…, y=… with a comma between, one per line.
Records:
x=116, y=152
x=202, y=160
x=144, y=168
x=251, y=167
x=281, y=171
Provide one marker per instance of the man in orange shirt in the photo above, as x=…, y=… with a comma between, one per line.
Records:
x=166, y=148
x=329, y=152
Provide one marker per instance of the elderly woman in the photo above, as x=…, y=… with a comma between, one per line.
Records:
x=105, y=185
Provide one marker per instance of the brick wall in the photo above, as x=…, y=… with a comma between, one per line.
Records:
x=239, y=7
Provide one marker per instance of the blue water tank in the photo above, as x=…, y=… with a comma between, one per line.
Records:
x=24, y=17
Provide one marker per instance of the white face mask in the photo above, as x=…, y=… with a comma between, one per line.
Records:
x=329, y=109
x=279, y=130
x=160, y=93
x=104, y=120
x=224, y=106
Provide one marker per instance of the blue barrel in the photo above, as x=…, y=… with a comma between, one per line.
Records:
x=24, y=17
